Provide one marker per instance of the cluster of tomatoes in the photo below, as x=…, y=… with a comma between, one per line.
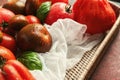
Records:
x=12, y=20
x=21, y=28
x=14, y=17
x=10, y=67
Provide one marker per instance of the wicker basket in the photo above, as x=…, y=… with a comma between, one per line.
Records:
x=85, y=67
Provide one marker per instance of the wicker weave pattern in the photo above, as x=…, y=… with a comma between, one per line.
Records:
x=78, y=70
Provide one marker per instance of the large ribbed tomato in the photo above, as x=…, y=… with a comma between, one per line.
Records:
x=98, y=15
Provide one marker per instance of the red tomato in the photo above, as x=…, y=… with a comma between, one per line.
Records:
x=6, y=53
x=8, y=42
x=11, y=73
x=32, y=19
x=6, y=15
x=98, y=15
x=59, y=10
x=16, y=70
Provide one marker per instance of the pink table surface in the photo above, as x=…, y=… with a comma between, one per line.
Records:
x=109, y=67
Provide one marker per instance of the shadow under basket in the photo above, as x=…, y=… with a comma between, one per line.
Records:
x=86, y=66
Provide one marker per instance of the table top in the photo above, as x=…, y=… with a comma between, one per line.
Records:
x=109, y=67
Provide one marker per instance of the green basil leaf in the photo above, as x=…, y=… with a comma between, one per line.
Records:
x=43, y=10
x=31, y=60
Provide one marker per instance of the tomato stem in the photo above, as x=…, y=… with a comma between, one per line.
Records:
x=2, y=61
x=68, y=8
x=4, y=24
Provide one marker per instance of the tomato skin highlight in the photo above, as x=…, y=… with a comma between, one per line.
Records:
x=21, y=69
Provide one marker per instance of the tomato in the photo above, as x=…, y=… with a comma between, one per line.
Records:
x=98, y=15
x=8, y=69
x=32, y=19
x=15, y=6
x=6, y=53
x=15, y=70
x=31, y=6
x=5, y=15
x=59, y=10
x=16, y=23
x=8, y=41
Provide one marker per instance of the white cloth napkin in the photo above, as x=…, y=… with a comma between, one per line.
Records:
x=69, y=45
